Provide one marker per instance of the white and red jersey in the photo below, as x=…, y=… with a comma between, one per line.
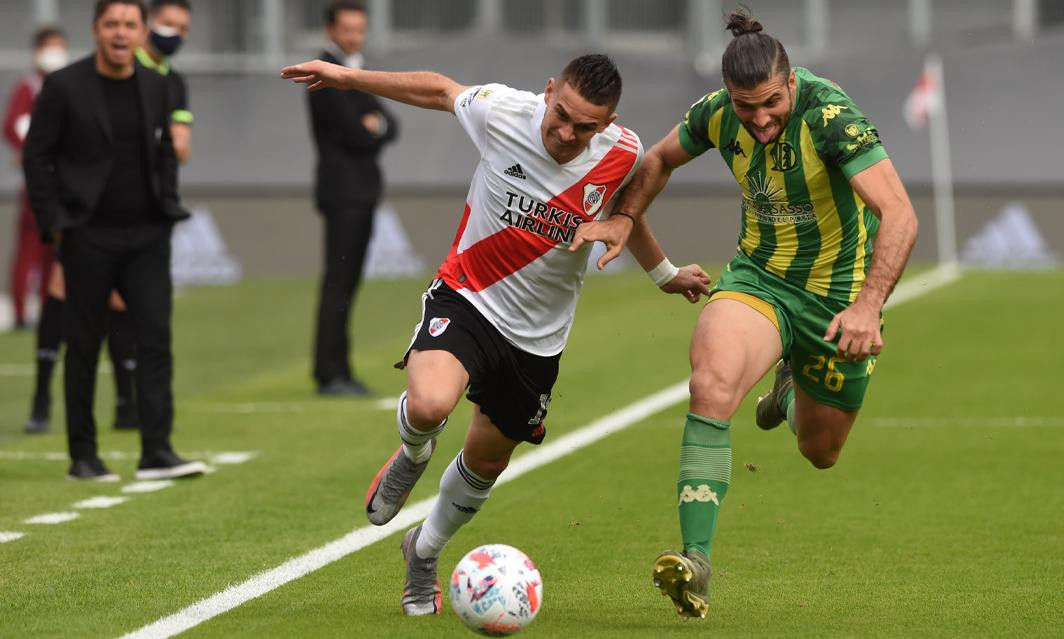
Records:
x=510, y=256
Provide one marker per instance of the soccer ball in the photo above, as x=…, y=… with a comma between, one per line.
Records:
x=496, y=590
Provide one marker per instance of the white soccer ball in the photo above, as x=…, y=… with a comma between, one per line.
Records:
x=496, y=590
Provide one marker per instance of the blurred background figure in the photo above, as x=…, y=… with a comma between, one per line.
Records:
x=32, y=258
x=168, y=22
x=102, y=180
x=349, y=128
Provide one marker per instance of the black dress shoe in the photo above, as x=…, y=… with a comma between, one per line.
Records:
x=167, y=465
x=90, y=470
x=339, y=386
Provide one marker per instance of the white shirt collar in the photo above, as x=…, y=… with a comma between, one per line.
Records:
x=353, y=61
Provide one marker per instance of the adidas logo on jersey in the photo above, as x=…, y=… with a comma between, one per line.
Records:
x=515, y=171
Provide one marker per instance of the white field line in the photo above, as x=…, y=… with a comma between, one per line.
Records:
x=147, y=486
x=923, y=283
x=100, y=502
x=236, y=457
x=359, y=538
x=222, y=457
x=52, y=518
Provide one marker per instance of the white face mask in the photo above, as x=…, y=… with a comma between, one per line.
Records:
x=48, y=59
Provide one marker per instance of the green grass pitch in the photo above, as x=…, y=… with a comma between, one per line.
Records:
x=944, y=516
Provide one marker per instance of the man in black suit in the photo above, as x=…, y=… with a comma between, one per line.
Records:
x=350, y=128
x=102, y=180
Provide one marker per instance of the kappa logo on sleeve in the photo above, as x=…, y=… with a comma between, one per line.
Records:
x=437, y=325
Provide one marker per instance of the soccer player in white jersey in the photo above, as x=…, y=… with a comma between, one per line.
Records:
x=496, y=318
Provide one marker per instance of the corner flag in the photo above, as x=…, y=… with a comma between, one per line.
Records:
x=925, y=97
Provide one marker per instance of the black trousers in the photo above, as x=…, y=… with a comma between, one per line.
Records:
x=136, y=261
x=347, y=232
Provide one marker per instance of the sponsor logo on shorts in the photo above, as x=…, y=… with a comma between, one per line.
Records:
x=437, y=325
x=702, y=493
x=544, y=402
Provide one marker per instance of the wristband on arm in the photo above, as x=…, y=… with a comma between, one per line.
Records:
x=663, y=273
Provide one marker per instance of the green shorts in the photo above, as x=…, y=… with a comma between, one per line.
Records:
x=802, y=319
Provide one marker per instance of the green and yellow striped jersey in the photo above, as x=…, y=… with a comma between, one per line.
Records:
x=801, y=219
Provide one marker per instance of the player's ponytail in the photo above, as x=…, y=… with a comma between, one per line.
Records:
x=752, y=56
x=741, y=23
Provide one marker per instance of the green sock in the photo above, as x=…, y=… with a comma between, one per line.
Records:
x=788, y=407
x=705, y=472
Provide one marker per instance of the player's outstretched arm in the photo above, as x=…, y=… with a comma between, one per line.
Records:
x=648, y=181
x=425, y=89
x=881, y=188
x=691, y=281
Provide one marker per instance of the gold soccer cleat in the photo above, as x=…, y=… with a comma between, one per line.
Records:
x=684, y=578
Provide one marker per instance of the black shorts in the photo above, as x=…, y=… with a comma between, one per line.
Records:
x=511, y=386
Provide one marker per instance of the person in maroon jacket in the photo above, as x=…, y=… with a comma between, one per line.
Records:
x=32, y=257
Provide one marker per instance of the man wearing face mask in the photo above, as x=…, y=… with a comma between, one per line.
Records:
x=350, y=129
x=31, y=255
x=168, y=22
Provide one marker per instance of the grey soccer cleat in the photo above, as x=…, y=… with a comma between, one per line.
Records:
x=684, y=578
x=392, y=485
x=421, y=592
x=769, y=414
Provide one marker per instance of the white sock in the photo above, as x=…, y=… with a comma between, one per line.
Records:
x=417, y=444
x=462, y=493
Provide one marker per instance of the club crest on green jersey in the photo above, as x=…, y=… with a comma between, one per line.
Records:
x=784, y=157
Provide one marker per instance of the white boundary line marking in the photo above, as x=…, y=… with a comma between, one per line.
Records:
x=10, y=536
x=220, y=457
x=51, y=518
x=923, y=283
x=147, y=486
x=100, y=502
x=359, y=538
x=412, y=513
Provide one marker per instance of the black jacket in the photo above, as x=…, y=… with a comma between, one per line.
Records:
x=347, y=170
x=69, y=148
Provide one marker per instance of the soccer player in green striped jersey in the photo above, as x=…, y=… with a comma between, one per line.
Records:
x=826, y=228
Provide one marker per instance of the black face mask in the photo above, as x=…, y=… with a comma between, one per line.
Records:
x=166, y=44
